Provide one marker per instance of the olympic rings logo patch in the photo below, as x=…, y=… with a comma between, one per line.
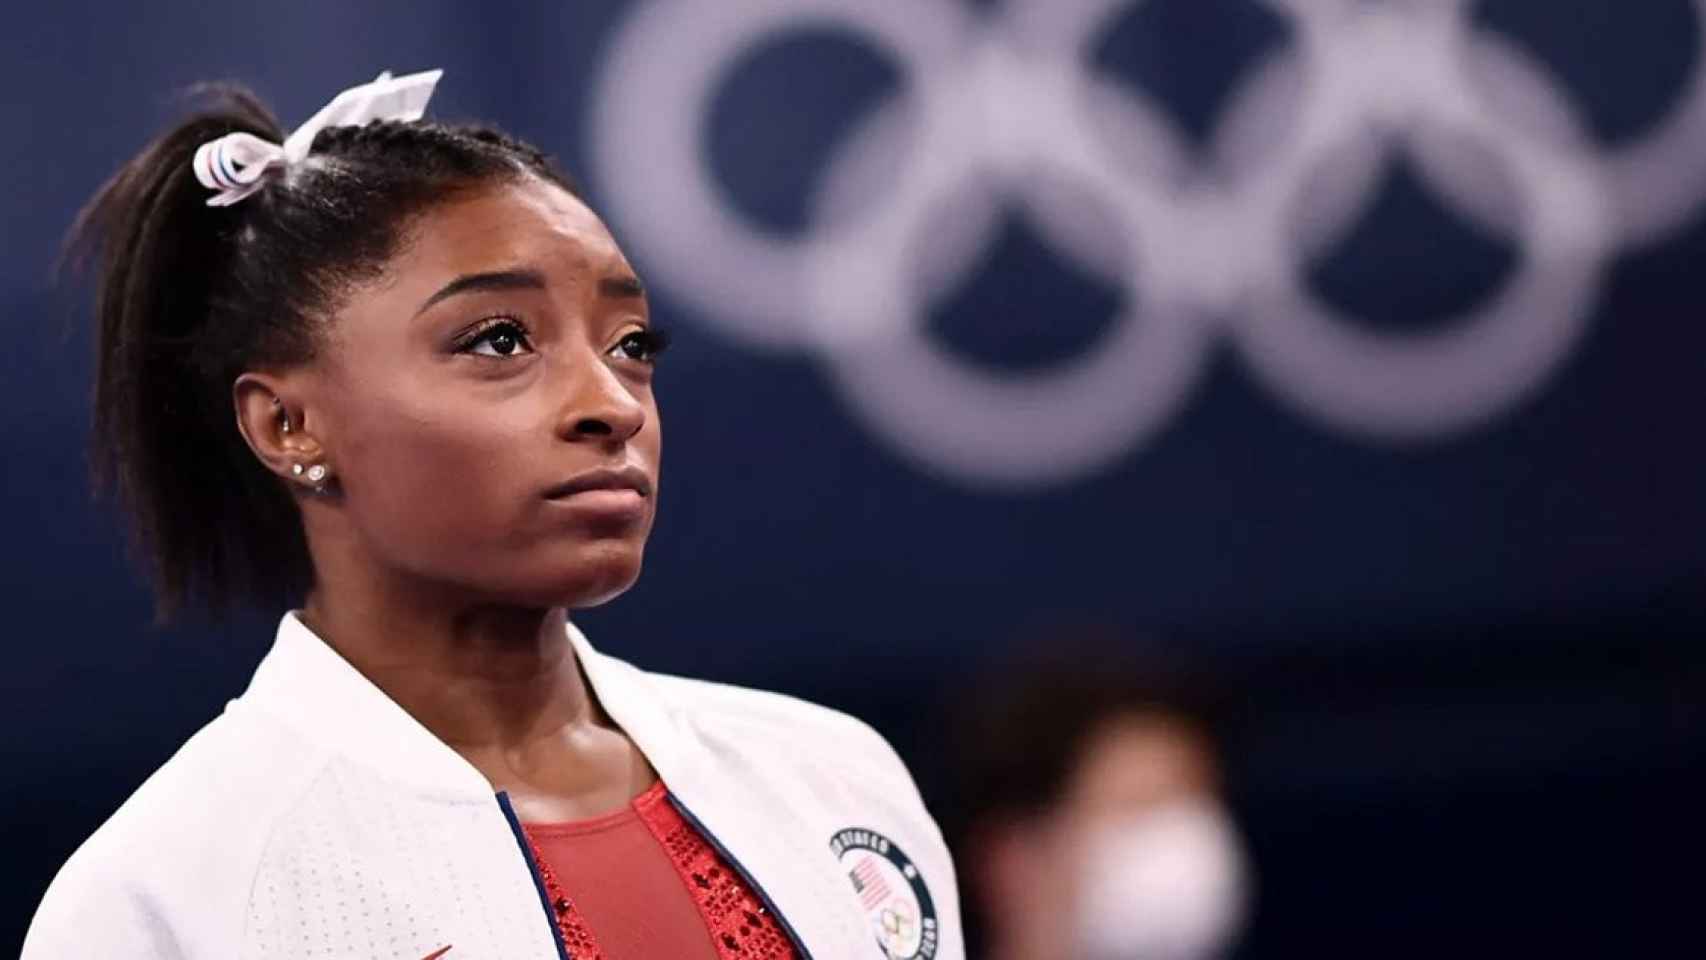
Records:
x=892, y=893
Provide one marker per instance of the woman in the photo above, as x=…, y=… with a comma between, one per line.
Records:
x=398, y=370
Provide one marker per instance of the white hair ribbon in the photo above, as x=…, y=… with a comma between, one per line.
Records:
x=233, y=164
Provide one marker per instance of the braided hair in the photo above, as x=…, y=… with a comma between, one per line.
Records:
x=188, y=297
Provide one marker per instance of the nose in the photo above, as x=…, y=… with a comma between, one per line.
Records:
x=601, y=407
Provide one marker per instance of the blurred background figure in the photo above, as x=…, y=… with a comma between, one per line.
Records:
x=1095, y=824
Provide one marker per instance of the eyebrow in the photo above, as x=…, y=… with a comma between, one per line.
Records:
x=619, y=287
x=493, y=280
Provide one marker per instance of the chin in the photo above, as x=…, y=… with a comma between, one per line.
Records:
x=575, y=575
x=600, y=573
x=587, y=601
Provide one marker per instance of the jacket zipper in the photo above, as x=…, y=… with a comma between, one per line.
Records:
x=745, y=875
x=533, y=870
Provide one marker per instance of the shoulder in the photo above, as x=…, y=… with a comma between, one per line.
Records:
x=813, y=758
x=787, y=726
x=177, y=858
x=819, y=758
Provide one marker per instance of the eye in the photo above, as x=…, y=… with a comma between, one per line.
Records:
x=498, y=337
x=641, y=345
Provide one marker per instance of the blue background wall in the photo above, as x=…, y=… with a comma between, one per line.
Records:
x=1471, y=660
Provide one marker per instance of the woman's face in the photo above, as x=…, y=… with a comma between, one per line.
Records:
x=486, y=406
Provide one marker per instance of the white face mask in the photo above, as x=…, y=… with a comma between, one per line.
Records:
x=1168, y=884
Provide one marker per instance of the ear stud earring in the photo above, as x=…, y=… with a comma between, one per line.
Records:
x=316, y=475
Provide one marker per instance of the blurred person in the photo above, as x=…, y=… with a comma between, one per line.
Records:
x=398, y=372
x=1093, y=824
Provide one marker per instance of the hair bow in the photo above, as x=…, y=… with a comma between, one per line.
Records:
x=233, y=164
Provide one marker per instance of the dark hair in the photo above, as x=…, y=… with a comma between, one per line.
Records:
x=1024, y=731
x=190, y=296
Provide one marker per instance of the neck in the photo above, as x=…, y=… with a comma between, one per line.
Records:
x=482, y=677
x=498, y=683
x=1026, y=946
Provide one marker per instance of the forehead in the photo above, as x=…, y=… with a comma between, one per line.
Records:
x=528, y=223
x=1142, y=758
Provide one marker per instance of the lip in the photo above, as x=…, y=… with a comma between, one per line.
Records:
x=629, y=478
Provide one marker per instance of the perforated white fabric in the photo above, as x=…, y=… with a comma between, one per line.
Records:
x=361, y=868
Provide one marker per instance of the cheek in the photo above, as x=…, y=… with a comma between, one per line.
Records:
x=649, y=444
x=438, y=473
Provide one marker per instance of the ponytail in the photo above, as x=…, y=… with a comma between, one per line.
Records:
x=188, y=297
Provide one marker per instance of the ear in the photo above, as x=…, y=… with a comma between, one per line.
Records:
x=274, y=424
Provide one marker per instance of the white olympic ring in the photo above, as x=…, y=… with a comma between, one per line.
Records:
x=1214, y=247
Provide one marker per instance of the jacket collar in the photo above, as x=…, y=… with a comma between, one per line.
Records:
x=307, y=685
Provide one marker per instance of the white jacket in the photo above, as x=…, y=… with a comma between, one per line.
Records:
x=316, y=818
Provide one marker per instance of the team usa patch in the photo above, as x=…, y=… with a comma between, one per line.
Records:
x=891, y=890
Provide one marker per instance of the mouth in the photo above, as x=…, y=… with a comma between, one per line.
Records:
x=618, y=480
